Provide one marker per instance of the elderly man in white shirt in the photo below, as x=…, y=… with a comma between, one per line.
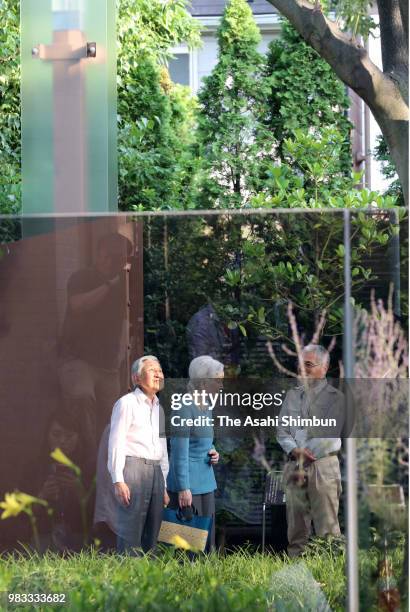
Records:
x=138, y=459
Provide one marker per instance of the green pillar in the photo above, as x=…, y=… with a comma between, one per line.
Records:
x=68, y=90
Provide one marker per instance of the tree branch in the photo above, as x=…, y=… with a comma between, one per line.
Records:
x=393, y=41
x=348, y=59
x=325, y=37
x=384, y=93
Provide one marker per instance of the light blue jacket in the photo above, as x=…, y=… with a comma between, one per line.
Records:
x=189, y=466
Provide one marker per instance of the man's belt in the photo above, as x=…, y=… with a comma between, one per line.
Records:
x=146, y=461
x=332, y=454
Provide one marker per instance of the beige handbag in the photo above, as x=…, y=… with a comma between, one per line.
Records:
x=188, y=533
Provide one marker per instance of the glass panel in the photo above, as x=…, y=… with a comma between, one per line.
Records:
x=36, y=109
x=101, y=106
x=68, y=14
x=43, y=279
x=68, y=106
x=183, y=286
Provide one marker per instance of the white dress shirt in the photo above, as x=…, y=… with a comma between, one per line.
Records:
x=135, y=433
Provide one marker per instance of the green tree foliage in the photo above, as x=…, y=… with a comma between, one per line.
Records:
x=231, y=101
x=304, y=93
x=155, y=118
x=153, y=26
x=355, y=16
x=382, y=154
x=310, y=177
x=146, y=29
x=304, y=265
x=299, y=158
x=253, y=114
x=337, y=41
x=10, y=149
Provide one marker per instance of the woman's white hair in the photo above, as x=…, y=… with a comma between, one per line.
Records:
x=205, y=367
x=138, y=364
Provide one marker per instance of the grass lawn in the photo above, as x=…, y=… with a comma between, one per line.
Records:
x=243, y=580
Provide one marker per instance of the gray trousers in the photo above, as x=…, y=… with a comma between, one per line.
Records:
x=204, y=503
x=139, y=523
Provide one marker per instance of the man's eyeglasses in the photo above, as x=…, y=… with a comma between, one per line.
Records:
x=309, y=365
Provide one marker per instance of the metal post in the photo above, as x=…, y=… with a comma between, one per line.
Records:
x=68, y=101
x=351, y=464
x=263, y=526
x=394, y=254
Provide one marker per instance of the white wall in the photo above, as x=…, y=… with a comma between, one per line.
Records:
x=207, y=56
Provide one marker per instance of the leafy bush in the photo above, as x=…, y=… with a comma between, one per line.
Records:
x=10, y=149
x=155, y=117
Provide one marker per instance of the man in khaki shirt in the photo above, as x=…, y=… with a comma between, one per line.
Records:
x=312, y=473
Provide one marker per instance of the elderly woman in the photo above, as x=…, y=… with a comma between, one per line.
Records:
x=191, y=480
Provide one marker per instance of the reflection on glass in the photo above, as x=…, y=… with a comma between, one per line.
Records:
x=68, y=14
x=80, y=304
x=68, y=106
x=93, y=339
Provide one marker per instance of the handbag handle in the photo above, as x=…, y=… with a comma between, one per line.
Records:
x=186, y=514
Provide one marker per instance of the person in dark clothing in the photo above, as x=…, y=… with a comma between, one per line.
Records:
x=93, y=341
x=60, y=525
x=207, y=335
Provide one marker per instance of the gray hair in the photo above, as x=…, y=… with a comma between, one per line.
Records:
x=205, y=367
x=320, y=351
x=138, y=364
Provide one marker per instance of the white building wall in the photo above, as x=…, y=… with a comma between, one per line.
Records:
x=207, y=56
x=203, y=60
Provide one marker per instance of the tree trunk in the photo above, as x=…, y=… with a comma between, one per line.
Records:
x=396, y=134
x=237, y=182
x=385, y=93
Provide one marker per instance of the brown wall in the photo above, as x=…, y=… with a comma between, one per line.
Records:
x=33, y=278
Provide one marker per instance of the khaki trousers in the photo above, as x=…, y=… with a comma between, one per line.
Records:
x=318, y=500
